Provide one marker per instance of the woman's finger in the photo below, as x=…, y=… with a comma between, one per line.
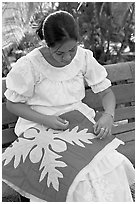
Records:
x=96, y=128
x=106, y=133
x=62, y=124
x=61, y=120
x=110, y=133
x=101, y=132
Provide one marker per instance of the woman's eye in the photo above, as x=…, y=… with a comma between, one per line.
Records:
x=73, y=50
x=59, y=53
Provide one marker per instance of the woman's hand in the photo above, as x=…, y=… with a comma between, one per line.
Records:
x=24, y=111
x=103, y=126
x=55, y=122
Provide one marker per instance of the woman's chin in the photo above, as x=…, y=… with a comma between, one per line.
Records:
x=66, y=63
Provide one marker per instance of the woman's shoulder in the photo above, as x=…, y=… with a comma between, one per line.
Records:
x=83, y=52
x=31, y=64
x=34, y=54
x=36, y=59
x=28, y=58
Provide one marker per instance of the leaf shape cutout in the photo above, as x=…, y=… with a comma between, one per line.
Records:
x=17, y=161
x=16, y=151
x=77, y=137
x=49, y=163
x=53, y=178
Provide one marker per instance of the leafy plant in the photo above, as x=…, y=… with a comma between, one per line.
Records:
x=105, y=26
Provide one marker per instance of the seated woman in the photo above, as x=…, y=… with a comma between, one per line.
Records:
x=61, y=153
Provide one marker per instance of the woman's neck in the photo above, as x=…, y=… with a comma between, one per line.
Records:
x=48, y=57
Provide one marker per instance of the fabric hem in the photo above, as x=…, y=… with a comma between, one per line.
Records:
x=109, y=147
x=21, y=192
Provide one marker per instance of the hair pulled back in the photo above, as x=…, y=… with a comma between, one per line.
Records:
x=57, y=27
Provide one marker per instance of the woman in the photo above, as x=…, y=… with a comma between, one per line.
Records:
x=61, y=153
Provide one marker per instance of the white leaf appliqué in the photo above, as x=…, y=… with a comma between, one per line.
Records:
x=73, y=136
x=38, y=140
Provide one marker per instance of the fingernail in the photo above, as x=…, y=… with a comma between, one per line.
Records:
x=66, y=122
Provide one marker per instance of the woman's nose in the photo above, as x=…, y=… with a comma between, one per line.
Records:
x=67, y=57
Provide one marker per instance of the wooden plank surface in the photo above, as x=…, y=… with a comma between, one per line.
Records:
x=132, y=68
x=120, y=71
x=123, y=113
x=123, y=128
x=3, y=86
x=123, y=92
x=127, y=136
x=7, y=117
x=128, y=150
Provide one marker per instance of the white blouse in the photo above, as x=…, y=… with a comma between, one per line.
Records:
x=54, y=90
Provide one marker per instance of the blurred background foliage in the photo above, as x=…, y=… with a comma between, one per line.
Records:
x=106, y=28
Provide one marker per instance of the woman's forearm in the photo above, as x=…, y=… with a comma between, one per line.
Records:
x=24, y=111
x=108, y=101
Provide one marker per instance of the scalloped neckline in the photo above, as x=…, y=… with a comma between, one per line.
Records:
x=52, y=66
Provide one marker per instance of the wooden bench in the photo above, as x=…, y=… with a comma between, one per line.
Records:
x=122, y=78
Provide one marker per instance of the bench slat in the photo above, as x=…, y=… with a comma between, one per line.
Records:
x=124, y=113
x=124, y=93
x=128, y=150
x=3, y=86
x=132, y=68
x=123, y=128
x=127, y=136
x=120, y=71
x=7, y=117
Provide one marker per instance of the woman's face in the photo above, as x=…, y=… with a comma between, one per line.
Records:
x=65, y=52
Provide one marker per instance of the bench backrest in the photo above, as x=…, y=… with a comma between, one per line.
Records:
x=122, y=77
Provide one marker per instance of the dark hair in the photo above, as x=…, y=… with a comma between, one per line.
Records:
x=57, y=27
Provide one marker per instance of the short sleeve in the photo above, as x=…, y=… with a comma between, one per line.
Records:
x=95, y=74
x=20, y=81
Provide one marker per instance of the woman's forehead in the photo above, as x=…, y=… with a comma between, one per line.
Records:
x=65, y=47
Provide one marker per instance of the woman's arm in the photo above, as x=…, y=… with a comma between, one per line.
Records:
x=104, y=125
x=23, y=110
x=108, y=101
